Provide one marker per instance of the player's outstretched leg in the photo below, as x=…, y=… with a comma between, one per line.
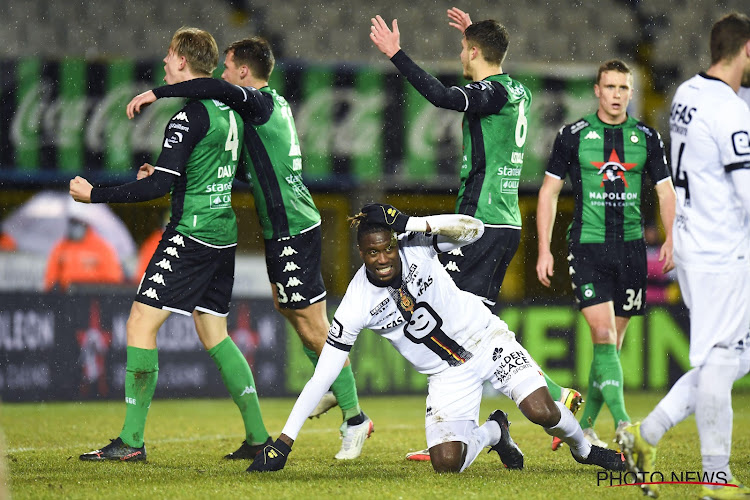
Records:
x=116, y=450
x=510, y=454
x=572, y=400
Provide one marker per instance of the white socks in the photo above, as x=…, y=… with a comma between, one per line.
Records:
x=569, y=431
x=488, y=434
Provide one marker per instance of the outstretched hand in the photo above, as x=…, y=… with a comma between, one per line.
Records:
x=272, y=458
x=389, y=42
x=459, y=19
x=138, y=102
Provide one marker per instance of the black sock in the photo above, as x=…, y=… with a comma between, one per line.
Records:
x=359, y=419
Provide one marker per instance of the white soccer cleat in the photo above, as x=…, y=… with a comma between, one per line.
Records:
x=592, y=438
x=327, y=402
x=354, y=439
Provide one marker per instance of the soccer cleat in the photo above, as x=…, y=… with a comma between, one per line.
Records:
x=354, y=439
x=116, y=450
x=593, y=439
x=573, y=400
x=510, y=454
x=727, y=492
x=419, y=456
x=327, y=402
x=248, y=452
x=604, y=458
x=640, y=456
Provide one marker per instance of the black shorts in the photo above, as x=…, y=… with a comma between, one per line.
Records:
x=601, y=272
x=184, y=275
x=480, y=267
x=293, y=265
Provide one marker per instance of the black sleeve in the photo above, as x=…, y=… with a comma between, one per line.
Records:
x=656, y=156
x=560, y=159
x=251, y=104
x=429, y=86
x=150, y=188
x=483, y=98
x=186, y=128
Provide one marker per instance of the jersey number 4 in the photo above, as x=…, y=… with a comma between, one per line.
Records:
x=681, y=177
x=233, y=138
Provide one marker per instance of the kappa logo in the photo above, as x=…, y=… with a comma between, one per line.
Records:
x=496, y=353
x=181, y=116
x=158, y=278
x=456, y=251
x=592, y=135
x=287, y=252
x=177, y=239
x=248, y=390
x=296, y=297
x=165, y=264
x=452, y=266
x=293, y=281
x=172, y=251
x=151, y=294
x=291, y=266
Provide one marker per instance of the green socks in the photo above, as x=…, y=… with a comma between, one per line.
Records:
x=141, y=372
x=605, y=386
x=554, y=389
x=238, y=379
x=344, y=388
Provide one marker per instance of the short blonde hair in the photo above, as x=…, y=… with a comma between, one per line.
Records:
x=198, y=48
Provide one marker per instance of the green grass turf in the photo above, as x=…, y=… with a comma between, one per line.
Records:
x=186, y=439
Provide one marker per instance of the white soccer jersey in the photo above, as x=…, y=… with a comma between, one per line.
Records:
x=744, y=94
x=710, y=131
x=435, y=324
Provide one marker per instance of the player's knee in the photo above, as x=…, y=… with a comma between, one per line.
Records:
x=602, y=334
x=448, y=457
x=540, y=408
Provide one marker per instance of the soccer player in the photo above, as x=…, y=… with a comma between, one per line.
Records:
x=710, y=132
x=192, y=269
x=290, y=220
x=403, y=293
x=494, y=137
x=605, y=154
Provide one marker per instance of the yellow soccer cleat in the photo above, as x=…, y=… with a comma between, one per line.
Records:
x=733, y=490
x=639, y=455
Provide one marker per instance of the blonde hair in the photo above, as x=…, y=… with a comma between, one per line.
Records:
x=198, y=48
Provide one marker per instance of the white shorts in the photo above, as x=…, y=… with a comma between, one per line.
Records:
x=719, y=304
x=454, y=395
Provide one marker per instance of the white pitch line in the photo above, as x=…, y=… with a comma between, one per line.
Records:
x=192, y=439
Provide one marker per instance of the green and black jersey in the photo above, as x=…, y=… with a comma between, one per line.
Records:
x=197, y=163
x=494, y=136
x=273, y=161
x=606, y=165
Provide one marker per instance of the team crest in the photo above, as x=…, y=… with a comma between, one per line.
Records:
x=407, y=304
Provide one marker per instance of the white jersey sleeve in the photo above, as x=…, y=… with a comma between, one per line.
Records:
x=710, y=132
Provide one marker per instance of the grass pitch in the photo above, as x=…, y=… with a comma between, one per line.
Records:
x=185, y=440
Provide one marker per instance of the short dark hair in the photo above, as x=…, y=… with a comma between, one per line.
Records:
x=198, y=48
x=612, y=65
x=728, y=35
x=491, y=37
x=255, y=53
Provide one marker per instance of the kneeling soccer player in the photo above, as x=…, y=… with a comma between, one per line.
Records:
x=403, y=293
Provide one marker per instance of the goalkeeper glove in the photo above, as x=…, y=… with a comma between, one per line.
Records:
x=386, y=214
x=273, y=457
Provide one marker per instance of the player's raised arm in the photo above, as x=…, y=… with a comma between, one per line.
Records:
x=389, y=42
x=459, y=19
x=139, y=102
